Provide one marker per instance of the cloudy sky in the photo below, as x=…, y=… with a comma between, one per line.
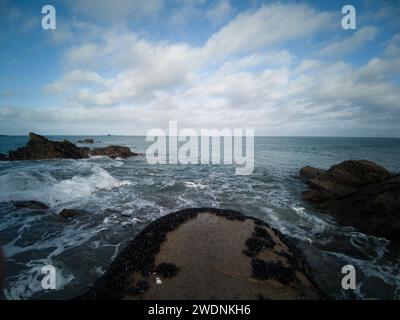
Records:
x=124, y=66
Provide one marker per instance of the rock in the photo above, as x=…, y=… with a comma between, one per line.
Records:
x=3, y=157
x=113, y=152
x=30, y=204
x=206, y=254
x=86, y=141
x=39, y=147
x=341, y=180
x=310, y=172
x=357, y=173
x=70, y=213
x=361, y=194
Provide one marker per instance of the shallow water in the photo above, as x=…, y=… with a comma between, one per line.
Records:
x=123, y=196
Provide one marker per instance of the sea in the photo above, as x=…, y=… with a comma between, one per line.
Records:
x=122, y=196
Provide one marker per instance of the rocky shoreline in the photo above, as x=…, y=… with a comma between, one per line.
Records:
x=357, y=193
x=40, y=148
x=207, y=253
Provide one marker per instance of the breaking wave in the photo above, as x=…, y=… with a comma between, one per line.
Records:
x=44, y=187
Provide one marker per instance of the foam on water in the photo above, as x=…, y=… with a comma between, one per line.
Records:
x=194, y=185
x=28, y=281
x=42, y=186
x=27, y=284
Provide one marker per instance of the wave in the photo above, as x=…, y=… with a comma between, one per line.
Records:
x=42, y=186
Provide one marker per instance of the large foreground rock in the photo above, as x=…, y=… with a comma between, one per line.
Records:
x=39, y=148
x=207, y=254
x=358, y=193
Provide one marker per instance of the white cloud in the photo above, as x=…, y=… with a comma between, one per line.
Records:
x=68, y=30
x=311, y=94
x=144, y=69
x=241, y=77
x=115, y=10
x=185, y=12
x=220, y=12
x=270, y=25
x=72, y=80
x=246, y=33
x=393, y=47
x=350, y=43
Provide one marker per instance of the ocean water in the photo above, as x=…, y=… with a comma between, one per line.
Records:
x=122, y=196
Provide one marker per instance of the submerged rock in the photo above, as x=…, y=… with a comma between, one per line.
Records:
x=357, y=193
x=39, y=148
x=90, y=141
x=205, y=254
x=30, y=204
x=70, y=213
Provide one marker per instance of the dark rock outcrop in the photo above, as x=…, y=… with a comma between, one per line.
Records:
x=113, y=152
x=357, y=193
x=310, y=173
x=203, y=254
x=341, y=180
x=90, y=141
x=40, y=148
x=36, y=205
x=3, y=157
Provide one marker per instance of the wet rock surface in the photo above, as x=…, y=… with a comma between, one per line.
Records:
x=3, y=157
x=204, y=254
x=67, y=214
x=40, y=148
x=357, y=193
x=36, y=205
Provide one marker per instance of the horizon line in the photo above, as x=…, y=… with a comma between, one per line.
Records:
x=143, y=135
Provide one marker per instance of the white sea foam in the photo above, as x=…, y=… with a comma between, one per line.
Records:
x=189, y=184
x=29, y=283
x=318, y=224
x=45, y=188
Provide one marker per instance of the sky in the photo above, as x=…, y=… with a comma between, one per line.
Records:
x=282, y=68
